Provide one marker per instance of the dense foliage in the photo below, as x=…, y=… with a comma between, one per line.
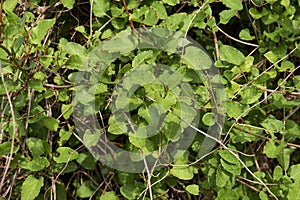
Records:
x=46, y=46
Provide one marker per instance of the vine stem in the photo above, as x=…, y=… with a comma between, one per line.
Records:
x=237, y=40
x=15, y=128
x=234, y=154
x=258, y=103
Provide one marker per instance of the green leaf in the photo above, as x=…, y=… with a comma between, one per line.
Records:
x=208, y=119
x=256, y=14
x=245, y=34
x=66, y=154
x=276, y=54
x=5, y=148
x=36, y=164
x=111, y=195
x=226, y=155
x=226, y=15
x=115, y=127
x=50, y=123
x=150, y=17
x=74, y=62
x=64, y=135
x=9, y=5
x=233, y=4
x=231, y=55
x=222, y=178
x=66, y=110
x=294, y=192
x=234, y=169
x=278, y=173
x=183, y=173
x=272, y=125
x=40, y=31
x=31, y=187
x=61, y=192
x=91, y=139
x=272, y=150
x=35, y=146
x=174, y=21
x=245, y=67
x=234, y=109
x=171, y=2
x=87, y=161
x=227, y=194
x=286, y=66
x=285, y=157
x=63, y=168
x=285, y=3
x=100, y=7
x=37, y=85
x=85, y=190
x=250, y=95
x=141, y=57
x=131, y=191
x=196, y=58
x=160, y=9
x=68, y=3
x=263, y=196
x=193, y=189
x=73, y=48
x=295, y=172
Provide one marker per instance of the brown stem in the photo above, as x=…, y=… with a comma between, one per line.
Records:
x=128, y=14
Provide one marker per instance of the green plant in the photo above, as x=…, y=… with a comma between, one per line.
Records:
x=44, y=46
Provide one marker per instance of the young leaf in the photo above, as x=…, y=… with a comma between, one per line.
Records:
x=67, y=110
x=193, y=189
x=245, y=34
x=68, y=3
x=278, y=174
x=233, y=4
x=31, y=187
x=226, y=15
x=183, y=173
